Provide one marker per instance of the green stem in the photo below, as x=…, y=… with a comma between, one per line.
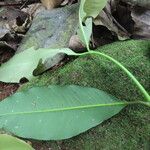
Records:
x=141, y=88
x=82, y=30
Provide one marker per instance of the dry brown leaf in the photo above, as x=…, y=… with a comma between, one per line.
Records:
x=105, y=18
x=13, y=20
x=50, y=4
x=141, y=17
x=33, y=9
x=142, y=3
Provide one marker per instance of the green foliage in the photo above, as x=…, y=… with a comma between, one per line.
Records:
x=130, y=129
x=56, y=112
x=98, y=72
x=85, y=29
x=8, y=142
x=128, y=73
x=93, y=7
x=24, y=63
x=87, y=10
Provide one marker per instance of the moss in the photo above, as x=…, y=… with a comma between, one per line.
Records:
x=130, y=129
x=51, y=29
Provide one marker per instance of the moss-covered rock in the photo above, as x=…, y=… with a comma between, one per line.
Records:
x=130, y=129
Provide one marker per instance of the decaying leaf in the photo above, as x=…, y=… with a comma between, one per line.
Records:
x=143, y=3
x=13, y=24
x=6, y=52
x=141, y=17
x=13, y=20
x=105, y=18
x=33, y=9
x=49, y=4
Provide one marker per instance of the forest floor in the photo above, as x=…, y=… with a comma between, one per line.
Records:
x=130, y=129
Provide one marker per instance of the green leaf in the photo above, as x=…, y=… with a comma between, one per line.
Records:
x=84, y=32
x=8, y=142
x=23, y=64
x=93, y=7
x=56, y=112
x=87, y=10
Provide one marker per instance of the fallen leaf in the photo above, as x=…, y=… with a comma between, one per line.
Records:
x=106, y=18
x=49, y=4
x=13, y=19
x=23, y=64
x=8, y=142
x=143, y=3
x=141, y=17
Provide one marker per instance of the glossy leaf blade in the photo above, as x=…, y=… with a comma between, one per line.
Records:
x=84, y=32
x=87, y=10
x=93, y=7
x=23, y=64
x=8, y=142
x=56, y=112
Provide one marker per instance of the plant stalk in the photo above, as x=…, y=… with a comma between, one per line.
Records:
x=83, y=34
x=130, y=75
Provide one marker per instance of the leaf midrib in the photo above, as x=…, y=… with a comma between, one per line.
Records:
x=70, y=108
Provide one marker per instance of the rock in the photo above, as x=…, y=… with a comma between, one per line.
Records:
x=52, y=29
x=130, y=129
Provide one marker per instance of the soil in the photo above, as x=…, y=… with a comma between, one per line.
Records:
x=7, y=89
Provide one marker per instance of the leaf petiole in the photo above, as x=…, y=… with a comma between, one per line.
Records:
x=130, y=75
